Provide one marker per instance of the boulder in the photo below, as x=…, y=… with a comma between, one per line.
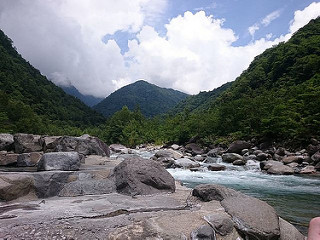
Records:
x=175, y=146
x=185, y=163
x=85, y=145
x=312, y=149
x=198, y=158
x=239, y=162
x=317, y=166
x=65, y=161
x=209, y=192
x=265, y=165
x=215, y=152
x=25, y=143
x=222, y=224
x=13, y=186
x=252, y=217
x=118, y=148
x=308, y=170
x=238, y=146
x=211, y=160
x=288, y=231
x=204, y=232
x=87, y=187
x=262, y=156
x=281, y=151
x=123, y=157
x=250, y=157
x=168, y=153
x=142, y=177
x=166, y=162
x=28, y=159
x=7, y=159
x=231, y=157
x=194, y=148
x=280, y=170
x=216, y=167
x=290, y=159
x=48, y=143
x=316, y=157
x=6, y=141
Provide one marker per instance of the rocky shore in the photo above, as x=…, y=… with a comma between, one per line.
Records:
x=79, y=188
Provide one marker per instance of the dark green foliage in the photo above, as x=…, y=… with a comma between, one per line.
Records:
x=151, y=99
x=86, y=99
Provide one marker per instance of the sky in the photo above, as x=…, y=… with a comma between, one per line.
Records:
x=99, y=46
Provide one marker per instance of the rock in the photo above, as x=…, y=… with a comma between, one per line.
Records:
x=288, y=231
x=166, y=162
x=239, y=162
x=7, y=159
x=250, y=157
x=197, y=169
x=194, y=148
x=265, y=165
x=211, y=160
x=244, y=151
x=238, y=146
x=87, y=187
x=316, y=157
x=209, y=192
x=281, y=151
x=253, y=217
x=216, y=167
x=262, y=156
x=123, y=157
x=169, y=153
x=308, y=170
x=312, y=149
x=314, y=141
x=28, y=159
x=85, y=145
x=231, y=157
x=280, y=170
x=118, y=148
x=222, y=224
x=175, y=146
x=257, y=152
x=48, y=143
x=65, y=161
x=215, y=152
x=198, y=158
x=317, y=166
x=277, y=157
x=6, y=141
x=185, y=163
x=290, y=159
x=13, y=186
x=293, y=165
x=24, y=143
x=142, y=177
x=205, y=232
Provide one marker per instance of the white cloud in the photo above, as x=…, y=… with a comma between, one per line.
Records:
x=62, y=38
x=270, y=17
x=252, y=29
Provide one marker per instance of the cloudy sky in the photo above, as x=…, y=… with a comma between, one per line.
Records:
x=99, y=46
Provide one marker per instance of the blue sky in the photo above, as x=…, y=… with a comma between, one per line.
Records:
x=99, y=46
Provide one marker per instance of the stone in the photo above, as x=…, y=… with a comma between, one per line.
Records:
x=13, y=186
x=28, y=159
x=293, y=164
x=281, y=151
x=168, y=153
x=142, y=177
x=317, y=166
x=194, y=148
x=314, y=141
x=25, y=143
x=65, y=161
x=288, y=231
x=48, y=143
x=123, y=157
x=209, y=192
x=222, y=224
x=231, y=157
x=87, y=187
x=308, y=170
x=312, y=149
x=253, y=217
x=250, y=157
x=211, y=160
x=265, y=165
x=290, y=159
x=7, y=159
x=262, y=156
x=316, y=157
x=204, y=232
x=238, y=146
x=215, y=152
x=280, y=170
x=6, y=142
x=166, y=162
x=185, y=163
x=175, y=146
x=118, y=148
x=239, y=162
x=198, y=158
x=244, y=151
x=216, y=167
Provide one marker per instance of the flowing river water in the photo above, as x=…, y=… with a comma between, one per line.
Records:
x=296, y=198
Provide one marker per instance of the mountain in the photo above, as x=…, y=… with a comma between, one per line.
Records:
x=151, y=99
x=87, y=99
x=29, y=102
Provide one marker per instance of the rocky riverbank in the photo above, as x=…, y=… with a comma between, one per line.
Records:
x=71, y=188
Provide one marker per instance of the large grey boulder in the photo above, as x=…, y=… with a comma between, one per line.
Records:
x=48, y=143
x=280, y=170
x=168, y=153
x=25, y=143
x=216, y=167
x=13, y=186
x=265, y=165
x=7, y=159
x=290, y=159
x=119, y=148
x=231, y=157
x=308, y=170
x=209, y=192
x=316, y=157
x=204, y=232
x=194, y=148
x=6, y=141
x=65, y=161
x=223, y=224
x=238, y=146
x=215, y=152
x=28, y=159
x=185, y=163
x=288, y=231
x=85, y=145
x=142, y=177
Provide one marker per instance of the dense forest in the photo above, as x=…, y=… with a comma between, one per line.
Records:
x=276, y=98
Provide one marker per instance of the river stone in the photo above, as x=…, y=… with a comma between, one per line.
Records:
x=123, y=157
x=24, y=143
x=238, y=146
x=265, y=165
x=211, y=160
x=87, y=187
x=317, y=166
x=166, y=162
x=216, y=167
x=222, y=224
x=231, y=157
x=28, y=159
x=65, y=161
x=169, y=153
x=142, y=177
x=198, y=158
x=185, y=163
x=262, y=156
x=13, y=186
x=119, y=148
x=49, y=142
x=316, y=157
x=175, y=146
x=209, y=192
x=290, y=159
x=6, y=141
x=308, y=170
x=194, y=148
x=7, y=159
x=253, y=217
x=280, y=170
x=215, y=152
x=281, y=151
x=288, y=231
x=239, y=162
x=205, y=232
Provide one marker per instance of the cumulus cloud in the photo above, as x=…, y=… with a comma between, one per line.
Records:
x=252, y=29
x=63, y=38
